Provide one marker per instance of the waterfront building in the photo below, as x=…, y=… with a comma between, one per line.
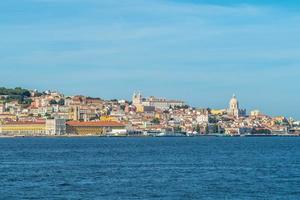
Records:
x=296, y=123
x=23, y=128
x=55, y=126
x=295, y=131
x=234, y=109
x=94, y=128
x=238, y=130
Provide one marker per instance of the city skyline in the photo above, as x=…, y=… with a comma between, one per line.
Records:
x=227, y=103
x=149, y=99
x=198, y=51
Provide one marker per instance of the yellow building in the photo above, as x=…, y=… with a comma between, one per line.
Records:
x=142, y=108
x=218, y=112
x=94, y=128
x=158, y=116
x=108, y=118
x=23, y=128
x=8, y=116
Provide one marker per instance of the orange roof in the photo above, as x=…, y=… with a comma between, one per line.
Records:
x=96, y=123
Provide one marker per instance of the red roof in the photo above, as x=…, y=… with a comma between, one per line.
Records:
x=96, y=123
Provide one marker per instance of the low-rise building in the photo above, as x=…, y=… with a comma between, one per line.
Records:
x=23, y=128
x=94, y=128
x=56, y=127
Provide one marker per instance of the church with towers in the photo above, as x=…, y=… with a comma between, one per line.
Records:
x=137, y=98
x=234, y=108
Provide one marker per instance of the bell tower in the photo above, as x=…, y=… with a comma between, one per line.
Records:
x=137, y=98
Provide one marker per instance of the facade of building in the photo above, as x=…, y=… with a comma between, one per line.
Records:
x=141, y=108
x=56, y=127
x=202, y=118
x=82, y=113
x=94, y=128
x=255, y=113
x=218, y=111
x=158, y=103
x=26, y=128
x=237, y=131
x=234, y=109
x=137, y=99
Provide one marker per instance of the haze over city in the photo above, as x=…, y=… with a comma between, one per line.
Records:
x=198, y=51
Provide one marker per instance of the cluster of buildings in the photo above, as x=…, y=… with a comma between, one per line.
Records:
x=52, y=113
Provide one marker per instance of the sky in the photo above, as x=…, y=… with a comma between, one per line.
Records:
x=200, y=51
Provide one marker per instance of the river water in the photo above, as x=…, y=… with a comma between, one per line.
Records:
x=150, y=168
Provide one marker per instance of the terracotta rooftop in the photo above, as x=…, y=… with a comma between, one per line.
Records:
x=96, y=123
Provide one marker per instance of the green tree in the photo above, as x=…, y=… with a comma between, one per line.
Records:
x=61, y=102
x=52, y=102
x=122, y=107
x=177, y=129
x=197, y=128
x=26, y=102
x=155, y=121
x=27, y=94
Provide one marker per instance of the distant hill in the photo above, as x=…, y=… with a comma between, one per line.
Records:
x=18, y=93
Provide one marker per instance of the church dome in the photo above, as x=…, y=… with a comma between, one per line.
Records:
x=234, y=102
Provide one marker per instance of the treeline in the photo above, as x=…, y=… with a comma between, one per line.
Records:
x=18, y=91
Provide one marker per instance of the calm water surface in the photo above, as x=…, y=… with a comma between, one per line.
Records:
x=150, y=168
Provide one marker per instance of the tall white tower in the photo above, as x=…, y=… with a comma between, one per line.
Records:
x=234, y=107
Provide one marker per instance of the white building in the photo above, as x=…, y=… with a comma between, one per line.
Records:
x=203, y=118
x=55, y=126
x=255, y=113
x=158, y=103
x=234, y=108
x=137, y=99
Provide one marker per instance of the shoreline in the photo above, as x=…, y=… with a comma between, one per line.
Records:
x=136, y=136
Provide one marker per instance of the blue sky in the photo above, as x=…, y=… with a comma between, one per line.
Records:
x=200, y=51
